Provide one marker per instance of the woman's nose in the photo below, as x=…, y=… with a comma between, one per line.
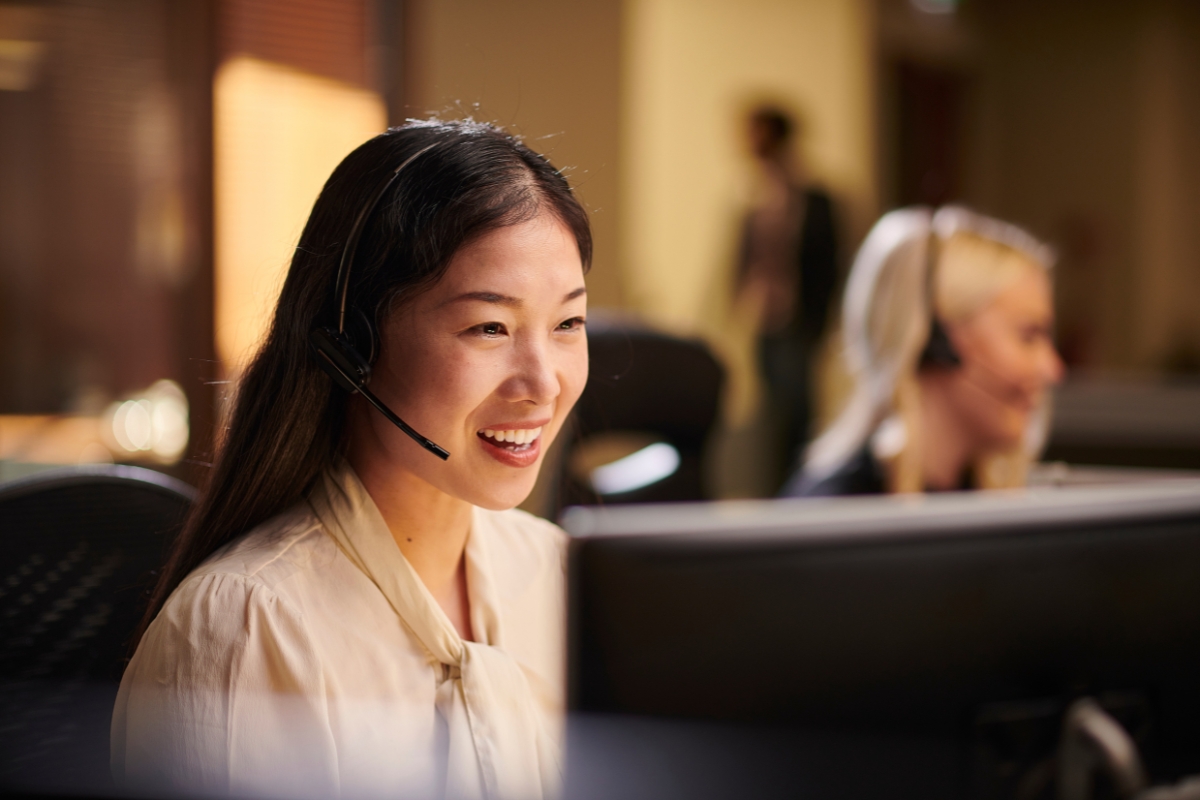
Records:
x=1052, y=365
x=534, y=375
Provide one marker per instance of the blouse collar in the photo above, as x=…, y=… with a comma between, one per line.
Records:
x=351, y=517
x=498, y=743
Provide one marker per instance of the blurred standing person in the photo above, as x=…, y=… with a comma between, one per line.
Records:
x=787, y=270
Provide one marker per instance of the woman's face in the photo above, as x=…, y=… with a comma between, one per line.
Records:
x=1008, y=360
x=487, y=363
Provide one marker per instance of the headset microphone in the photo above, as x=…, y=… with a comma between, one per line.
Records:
x=336, y=353
x=351, y=371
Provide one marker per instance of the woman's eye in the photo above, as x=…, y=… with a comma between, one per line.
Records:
x=490, y=329
x=571, y=324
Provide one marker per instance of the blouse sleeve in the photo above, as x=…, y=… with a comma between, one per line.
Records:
x=225, y=695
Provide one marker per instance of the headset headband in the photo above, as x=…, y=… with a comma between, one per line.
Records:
x=336, y=354
x=347, y=261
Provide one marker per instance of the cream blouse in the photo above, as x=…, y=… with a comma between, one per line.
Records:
x=308, y=659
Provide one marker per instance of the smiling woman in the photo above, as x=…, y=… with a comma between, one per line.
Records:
x=346, y=613
x=948, y=318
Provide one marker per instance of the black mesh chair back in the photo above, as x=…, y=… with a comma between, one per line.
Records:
x=78, y=552
x=644, y=382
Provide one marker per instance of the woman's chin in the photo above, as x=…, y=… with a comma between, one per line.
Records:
x=500, y=480
x=502, y=501
x=499, y=494
x=1010, y=432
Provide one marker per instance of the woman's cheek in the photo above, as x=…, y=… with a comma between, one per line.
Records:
x=1006, y=354
x=471, y=376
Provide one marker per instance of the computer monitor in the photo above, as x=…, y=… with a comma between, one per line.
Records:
x=903, y=647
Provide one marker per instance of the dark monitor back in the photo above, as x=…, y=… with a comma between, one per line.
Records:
x=960, y=619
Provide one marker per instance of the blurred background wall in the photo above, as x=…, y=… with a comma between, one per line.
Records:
x=158, y=159
x=105, y=225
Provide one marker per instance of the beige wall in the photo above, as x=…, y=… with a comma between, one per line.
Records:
x=544, y=69
x=690, y=69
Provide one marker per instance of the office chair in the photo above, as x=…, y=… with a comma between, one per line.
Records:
x=78, y=551
x=649, y=385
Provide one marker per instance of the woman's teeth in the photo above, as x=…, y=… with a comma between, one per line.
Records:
x=514, y=439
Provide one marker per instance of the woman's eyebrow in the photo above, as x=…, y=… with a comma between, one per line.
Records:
x=504, y=300
x=486, y=297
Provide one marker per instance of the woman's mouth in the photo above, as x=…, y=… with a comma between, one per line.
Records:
x=516, y=447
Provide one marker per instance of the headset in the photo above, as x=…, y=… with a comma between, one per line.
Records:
x=335, y=350
x=939, y=352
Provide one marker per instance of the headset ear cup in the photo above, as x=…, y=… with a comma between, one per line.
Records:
x=337, y=357
x=939, y=351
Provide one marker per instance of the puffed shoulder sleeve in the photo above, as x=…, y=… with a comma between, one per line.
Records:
x=224, y=695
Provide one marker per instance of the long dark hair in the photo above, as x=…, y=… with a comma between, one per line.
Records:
x=287, y=425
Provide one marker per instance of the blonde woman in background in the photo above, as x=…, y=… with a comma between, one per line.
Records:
x=948, y=321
